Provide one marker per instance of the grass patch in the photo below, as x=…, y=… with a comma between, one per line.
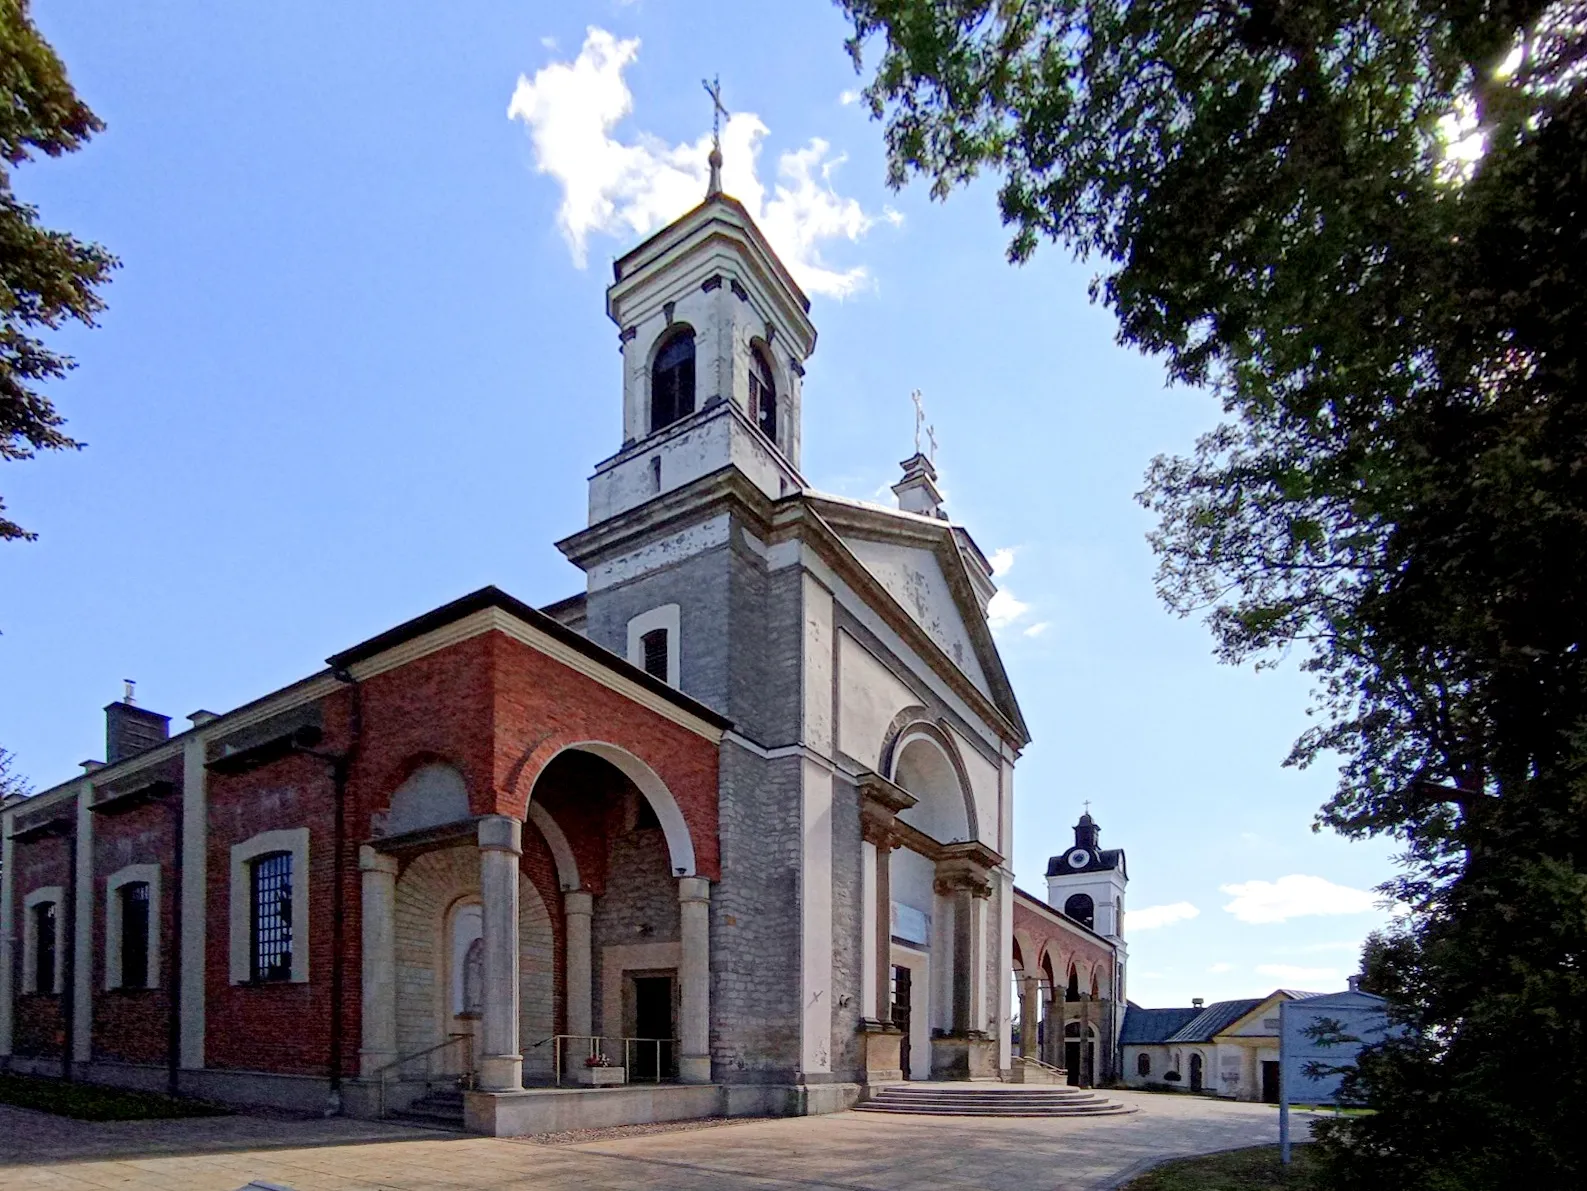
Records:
x=90, y=1102
x=1255, y=1169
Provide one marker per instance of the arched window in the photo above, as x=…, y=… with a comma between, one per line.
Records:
x=1143, y=1064
x=1081, y=908
x=762, y=393
x=672, y=380
x=1072, y=993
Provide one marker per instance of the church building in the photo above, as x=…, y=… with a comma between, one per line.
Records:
x=729, y=829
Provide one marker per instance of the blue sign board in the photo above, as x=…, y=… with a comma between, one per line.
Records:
x=1317, y=1037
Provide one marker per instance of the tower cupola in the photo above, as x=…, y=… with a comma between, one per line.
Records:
x=714, y=333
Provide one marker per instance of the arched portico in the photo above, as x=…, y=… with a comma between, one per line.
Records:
x=637, y=959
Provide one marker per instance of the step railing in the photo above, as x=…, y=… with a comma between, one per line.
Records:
x=570, y=1052
x=462, y=1077
x=1031, y=1061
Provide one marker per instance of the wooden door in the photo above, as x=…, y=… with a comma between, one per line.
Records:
x=901, y=1011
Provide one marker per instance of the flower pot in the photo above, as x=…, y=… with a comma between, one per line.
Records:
x=598, y=1077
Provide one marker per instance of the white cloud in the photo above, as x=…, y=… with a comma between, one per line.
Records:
x=1311, y=979
x=848, y=97
x=1002, y=561
x=1037, y=629
x=629, y=187
x=1152, y=917
x=1003, y=609
x=1295, y=896
x=1218, y=969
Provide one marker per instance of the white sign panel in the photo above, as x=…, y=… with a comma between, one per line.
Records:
x=1319, y=1035
x=911, y=925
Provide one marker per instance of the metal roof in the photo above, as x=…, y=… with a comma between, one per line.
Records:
x=1146, y=1026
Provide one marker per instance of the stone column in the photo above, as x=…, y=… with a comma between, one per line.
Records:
x=884, y=931
x=579, y=905
x=500, y=844
x=379, y=877
x=694, y=981
x=1029, y=1014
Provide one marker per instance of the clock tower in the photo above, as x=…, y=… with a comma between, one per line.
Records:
x=1087, y=882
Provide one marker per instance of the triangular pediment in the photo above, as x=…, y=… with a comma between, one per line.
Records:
x=915, y=578
x=922, y=564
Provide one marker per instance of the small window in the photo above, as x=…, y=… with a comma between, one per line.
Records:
x=762, y=393
x=271, y=936
x=44, y=947
x=654, y=644
x=1081, y=908
x=134, y=934
x=672, y=380
x=1143, y=1064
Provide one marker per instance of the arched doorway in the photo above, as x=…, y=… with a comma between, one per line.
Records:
x=1196, y=1077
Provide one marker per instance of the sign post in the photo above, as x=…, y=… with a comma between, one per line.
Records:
x=1318, y=1040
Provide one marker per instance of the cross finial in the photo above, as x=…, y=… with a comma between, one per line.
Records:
x=1088, y=806
x=713, y=88
x=920, y=417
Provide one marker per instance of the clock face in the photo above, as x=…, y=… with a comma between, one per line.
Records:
x=1079, y=858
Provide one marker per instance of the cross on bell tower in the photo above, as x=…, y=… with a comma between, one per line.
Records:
x=713, y=88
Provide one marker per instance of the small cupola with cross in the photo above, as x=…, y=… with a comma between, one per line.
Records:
x=714, y=333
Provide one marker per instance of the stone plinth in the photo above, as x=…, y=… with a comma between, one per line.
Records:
x=883, y=1042
x=964, y=1056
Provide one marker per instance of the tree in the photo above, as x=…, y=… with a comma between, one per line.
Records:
x=1361, y=225
x=46, y=277
x=11, y=784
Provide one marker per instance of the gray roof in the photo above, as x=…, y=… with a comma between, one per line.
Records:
x=1146, y=1026
x=1214, y=1019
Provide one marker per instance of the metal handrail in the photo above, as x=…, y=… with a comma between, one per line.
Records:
x=596, y=1047
x=1035, y=1062
x=465, y=1077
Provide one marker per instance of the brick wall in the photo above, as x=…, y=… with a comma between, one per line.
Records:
x=131, y=1025
x=39, y=1021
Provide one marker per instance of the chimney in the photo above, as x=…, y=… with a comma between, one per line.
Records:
x=199, y=718
x=1354, y=983
x=917, y=491
x=130, y=729
x=1197, y=1002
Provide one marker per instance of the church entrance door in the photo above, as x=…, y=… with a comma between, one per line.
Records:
x=1270, y=1083
x=901, y=997
x=652, y=1060
x=1195, y=1073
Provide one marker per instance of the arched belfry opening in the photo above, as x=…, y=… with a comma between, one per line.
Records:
x=672, y=378
x=762, y=391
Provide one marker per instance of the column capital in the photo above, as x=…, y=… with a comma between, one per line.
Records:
x=694, y=889
x=370, y=860
x=578, y=902
x=500, y=833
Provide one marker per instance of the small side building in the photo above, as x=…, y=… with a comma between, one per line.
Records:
x=1228, y=1048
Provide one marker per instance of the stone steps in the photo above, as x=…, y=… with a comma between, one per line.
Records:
x=994, y=1100
x=435, y=1108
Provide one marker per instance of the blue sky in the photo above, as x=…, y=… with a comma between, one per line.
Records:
x=357, y=364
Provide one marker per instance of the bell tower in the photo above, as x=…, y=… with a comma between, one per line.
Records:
x=1087, y=882
x=714, y=333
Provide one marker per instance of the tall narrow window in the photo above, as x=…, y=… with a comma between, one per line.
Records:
x=134, y=934
x=654, y=644
x=762, y=393
x=672, y=380
x=44, y=947
x=271, y=936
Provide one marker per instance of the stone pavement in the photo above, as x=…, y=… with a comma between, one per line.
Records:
x=841, y=1152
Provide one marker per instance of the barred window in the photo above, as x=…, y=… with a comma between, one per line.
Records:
x=44, y=947
x=271, y=935
x=134, y=934
x=654, y=644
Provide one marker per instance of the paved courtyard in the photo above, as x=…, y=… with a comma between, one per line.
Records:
x=845, y=1151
